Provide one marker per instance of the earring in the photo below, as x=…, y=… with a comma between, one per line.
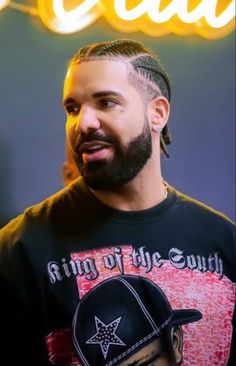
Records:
x=157, y=128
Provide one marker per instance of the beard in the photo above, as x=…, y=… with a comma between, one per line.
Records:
x=122, y=168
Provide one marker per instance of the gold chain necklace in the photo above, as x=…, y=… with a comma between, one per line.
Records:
x=165, y=184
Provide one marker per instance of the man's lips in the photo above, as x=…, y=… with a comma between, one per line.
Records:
x=94, y=150
x=92, y=145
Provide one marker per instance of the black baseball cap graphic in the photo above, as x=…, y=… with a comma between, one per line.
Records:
x=120, y=316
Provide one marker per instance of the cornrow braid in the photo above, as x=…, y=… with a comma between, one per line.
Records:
x=151, y=69
x=144, y=63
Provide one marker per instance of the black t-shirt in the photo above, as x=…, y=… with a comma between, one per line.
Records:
x=59, y=250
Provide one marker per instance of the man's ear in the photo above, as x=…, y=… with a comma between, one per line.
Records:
x=159, y=113
x=177, y=342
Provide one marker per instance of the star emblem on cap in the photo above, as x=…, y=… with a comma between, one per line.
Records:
x=105, y=335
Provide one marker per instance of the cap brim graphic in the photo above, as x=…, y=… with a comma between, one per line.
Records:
x=181, y=317
x=120, y=316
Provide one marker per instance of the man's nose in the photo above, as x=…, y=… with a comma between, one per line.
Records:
x=87, y=120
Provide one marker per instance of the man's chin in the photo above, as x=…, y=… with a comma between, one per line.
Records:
x=97, y=174
x=94, y=168
x=102, y=179
x=97, y=184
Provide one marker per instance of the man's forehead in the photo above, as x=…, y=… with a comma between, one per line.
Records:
x=91, y=77
x=103, y=64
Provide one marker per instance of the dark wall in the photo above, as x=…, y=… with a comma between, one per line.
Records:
x=32, y=64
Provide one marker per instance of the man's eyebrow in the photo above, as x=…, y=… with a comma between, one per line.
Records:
x=147, y=362
x=106, y=93
x=99, y=94
x=133, y=363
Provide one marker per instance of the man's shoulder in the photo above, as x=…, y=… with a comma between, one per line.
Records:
x=58, y=203
x=201, y=212
x=43, y=212
x=18, y=225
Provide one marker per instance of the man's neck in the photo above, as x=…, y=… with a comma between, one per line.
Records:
x=145, y=191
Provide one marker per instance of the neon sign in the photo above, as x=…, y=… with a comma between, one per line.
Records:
x=208, y=18
x=4, y=3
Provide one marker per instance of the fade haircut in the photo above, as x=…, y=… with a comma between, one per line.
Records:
x=147, y=74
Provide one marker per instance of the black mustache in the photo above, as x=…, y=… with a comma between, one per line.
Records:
x=94, y=135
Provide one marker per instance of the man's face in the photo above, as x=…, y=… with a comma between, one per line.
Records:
x=150, y=355
x=69, y=169
x=107, y=124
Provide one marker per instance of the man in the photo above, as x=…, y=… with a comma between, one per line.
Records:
x=69, y=170
x=135, y=324
x=119, y=217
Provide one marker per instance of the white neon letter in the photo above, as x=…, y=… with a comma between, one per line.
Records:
x=123, y=13
x=207, y=9
x=160, y=17
x=62, y=21
x=81, y=11
x=4, y=3
x=225, y=17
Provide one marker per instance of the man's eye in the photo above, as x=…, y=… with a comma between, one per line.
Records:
x=105, y=103
x=72, y=109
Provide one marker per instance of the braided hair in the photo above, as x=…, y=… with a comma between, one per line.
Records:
x=144, y=63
